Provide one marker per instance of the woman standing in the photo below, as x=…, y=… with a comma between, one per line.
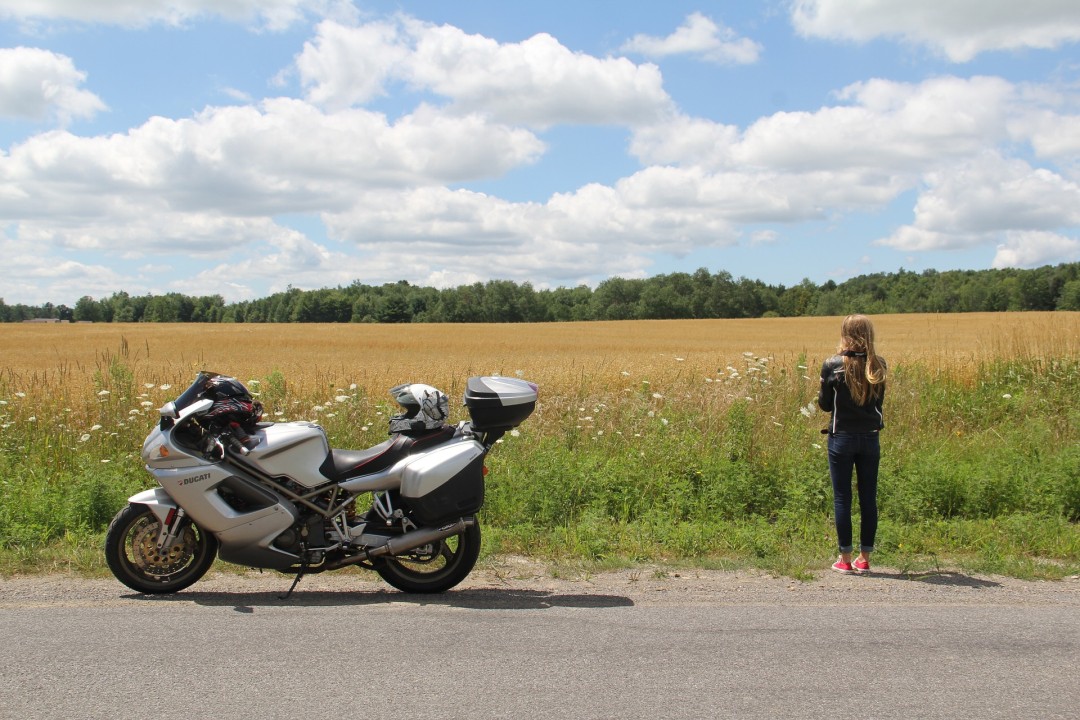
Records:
x=853, y=389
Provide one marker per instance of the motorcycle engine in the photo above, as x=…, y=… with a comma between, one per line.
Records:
x=309, y=531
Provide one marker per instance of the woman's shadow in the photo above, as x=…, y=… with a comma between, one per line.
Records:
x=936, y=577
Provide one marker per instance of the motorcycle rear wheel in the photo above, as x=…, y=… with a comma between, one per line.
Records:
x=132, y=555
x=434, y=568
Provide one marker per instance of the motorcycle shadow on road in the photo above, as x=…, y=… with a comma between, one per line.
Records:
x=470, y=599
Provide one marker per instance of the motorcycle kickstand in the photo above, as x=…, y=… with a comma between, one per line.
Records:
x=303, y=569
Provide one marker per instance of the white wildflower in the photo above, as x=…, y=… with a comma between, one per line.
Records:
x=32, y=418
x=105, y=460
x=146, y=403
x=342, y=398
x=748, y=354
x=353, y=386
x=20, y=394
x=95, y=427
x=1007, y=396
x=516, y=433
x=658, y=396
x=318, y=408
x=664, y=421
x=148, y=385
x=167, y=386
x=85, y=437
x=103, y=393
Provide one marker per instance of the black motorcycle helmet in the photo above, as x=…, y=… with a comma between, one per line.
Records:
x=232, y=403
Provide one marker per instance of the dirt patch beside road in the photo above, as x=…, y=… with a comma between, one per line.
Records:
x=508, y=580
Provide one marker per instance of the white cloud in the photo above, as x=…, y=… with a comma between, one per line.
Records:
x=285, y=156
x=701, y=36
x=959, y=29
x=1027, y=249
x=38, y=84
x=884, y=125
x=271, y=14
x=1052, y=135
x=537, y=82
x=973, y=203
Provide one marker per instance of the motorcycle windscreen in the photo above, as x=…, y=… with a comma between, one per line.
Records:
x=445, y=484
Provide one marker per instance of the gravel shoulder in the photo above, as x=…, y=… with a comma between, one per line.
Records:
x=517, y=582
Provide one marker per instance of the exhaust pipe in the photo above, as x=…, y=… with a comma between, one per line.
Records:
x=406, y=542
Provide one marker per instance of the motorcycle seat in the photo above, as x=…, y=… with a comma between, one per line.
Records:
x=341, y=465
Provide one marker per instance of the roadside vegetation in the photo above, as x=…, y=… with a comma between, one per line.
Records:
x=676, y=443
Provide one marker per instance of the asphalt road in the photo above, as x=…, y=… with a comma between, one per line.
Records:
x=512, y=644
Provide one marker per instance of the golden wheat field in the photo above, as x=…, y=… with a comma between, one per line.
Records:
x=563, y=354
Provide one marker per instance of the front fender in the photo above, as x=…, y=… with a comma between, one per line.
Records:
x=157, y=500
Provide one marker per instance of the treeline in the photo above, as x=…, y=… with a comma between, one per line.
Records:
x=677, y=295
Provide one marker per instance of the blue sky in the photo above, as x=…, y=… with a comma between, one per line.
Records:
x=241, y=146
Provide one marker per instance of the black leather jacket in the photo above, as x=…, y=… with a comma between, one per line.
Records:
x=834, y=397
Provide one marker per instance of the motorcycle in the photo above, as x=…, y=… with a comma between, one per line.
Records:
x=276, y=496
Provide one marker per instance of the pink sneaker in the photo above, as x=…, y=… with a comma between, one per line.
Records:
x=842, y=567
x=861, y=566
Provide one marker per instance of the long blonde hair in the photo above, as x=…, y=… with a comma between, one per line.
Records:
x=864, y=371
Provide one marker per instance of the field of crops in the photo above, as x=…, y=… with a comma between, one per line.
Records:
x=664, y=440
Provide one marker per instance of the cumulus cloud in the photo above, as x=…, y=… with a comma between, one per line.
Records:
x=959, y=30
x=976, y=202
x=1033, y=249
x=271, y=14
x=699, y=36
x=284, y=156
x=38, y=84
x=535, y=82
x=879, y=123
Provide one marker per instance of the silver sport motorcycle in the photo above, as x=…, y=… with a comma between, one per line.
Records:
x=276, y=496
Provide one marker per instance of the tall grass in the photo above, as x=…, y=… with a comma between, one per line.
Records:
x=645, y=447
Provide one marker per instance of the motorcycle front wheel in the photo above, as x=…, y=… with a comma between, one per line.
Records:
x=436, y=567
x=132, y=554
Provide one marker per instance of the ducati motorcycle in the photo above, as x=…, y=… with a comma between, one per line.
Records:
x=276, y=496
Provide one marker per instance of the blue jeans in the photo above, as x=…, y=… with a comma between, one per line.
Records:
x=861, y=453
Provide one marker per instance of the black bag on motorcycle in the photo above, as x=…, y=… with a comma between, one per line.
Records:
x=445, y=484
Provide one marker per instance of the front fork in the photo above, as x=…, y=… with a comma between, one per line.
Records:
x=169, y=514
x=170, y=529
